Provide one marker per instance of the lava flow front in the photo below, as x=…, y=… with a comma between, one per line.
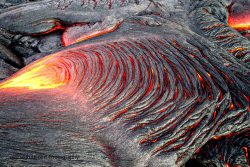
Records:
x=240, y=22
x=43, y=74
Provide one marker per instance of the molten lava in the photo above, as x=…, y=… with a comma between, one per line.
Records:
x=240, y=22
x=43, y=74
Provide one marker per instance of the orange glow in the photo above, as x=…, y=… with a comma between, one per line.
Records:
x=153, y=141
x=69, y=40
x=247, y=155
x=237, y=49
x=231, y=106
x=56, y=26
x=240, y=22
x=199, y=76
x=216, y=137
x=42, y=74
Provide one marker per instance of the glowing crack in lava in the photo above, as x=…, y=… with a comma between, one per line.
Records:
x=42, y=74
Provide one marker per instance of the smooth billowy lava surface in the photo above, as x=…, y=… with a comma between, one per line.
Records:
x=140, y=83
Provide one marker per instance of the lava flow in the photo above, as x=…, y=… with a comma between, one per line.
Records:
x=240, y=22
x=43, y=74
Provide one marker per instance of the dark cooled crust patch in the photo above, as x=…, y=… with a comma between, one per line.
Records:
x=232, y=150
x=8, y=3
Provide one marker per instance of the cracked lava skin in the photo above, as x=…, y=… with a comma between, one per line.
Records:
x=138, y=83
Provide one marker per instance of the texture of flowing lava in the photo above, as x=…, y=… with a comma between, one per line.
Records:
x=48, y=74
x=40, y=76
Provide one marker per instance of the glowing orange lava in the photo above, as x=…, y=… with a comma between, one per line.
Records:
x=42, y=74
x=240, y=22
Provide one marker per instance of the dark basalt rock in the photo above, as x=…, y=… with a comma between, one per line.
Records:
x=10, y=57
x=15, y=49
x=232, y=150
x=24, y=46
x=6, y=70
x=50, y=43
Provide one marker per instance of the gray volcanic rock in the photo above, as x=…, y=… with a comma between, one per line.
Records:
x=25, y=46
x=50, y=43
x=6, y=70
x=10, y=57
x=8, y=3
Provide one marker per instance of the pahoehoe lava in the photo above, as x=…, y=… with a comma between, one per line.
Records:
x=140, y=83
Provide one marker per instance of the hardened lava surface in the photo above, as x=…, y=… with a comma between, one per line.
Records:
x=140, y=83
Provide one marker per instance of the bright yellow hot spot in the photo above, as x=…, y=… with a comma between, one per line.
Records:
x=243, y=26
x=241, y=22
x=39, y=75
